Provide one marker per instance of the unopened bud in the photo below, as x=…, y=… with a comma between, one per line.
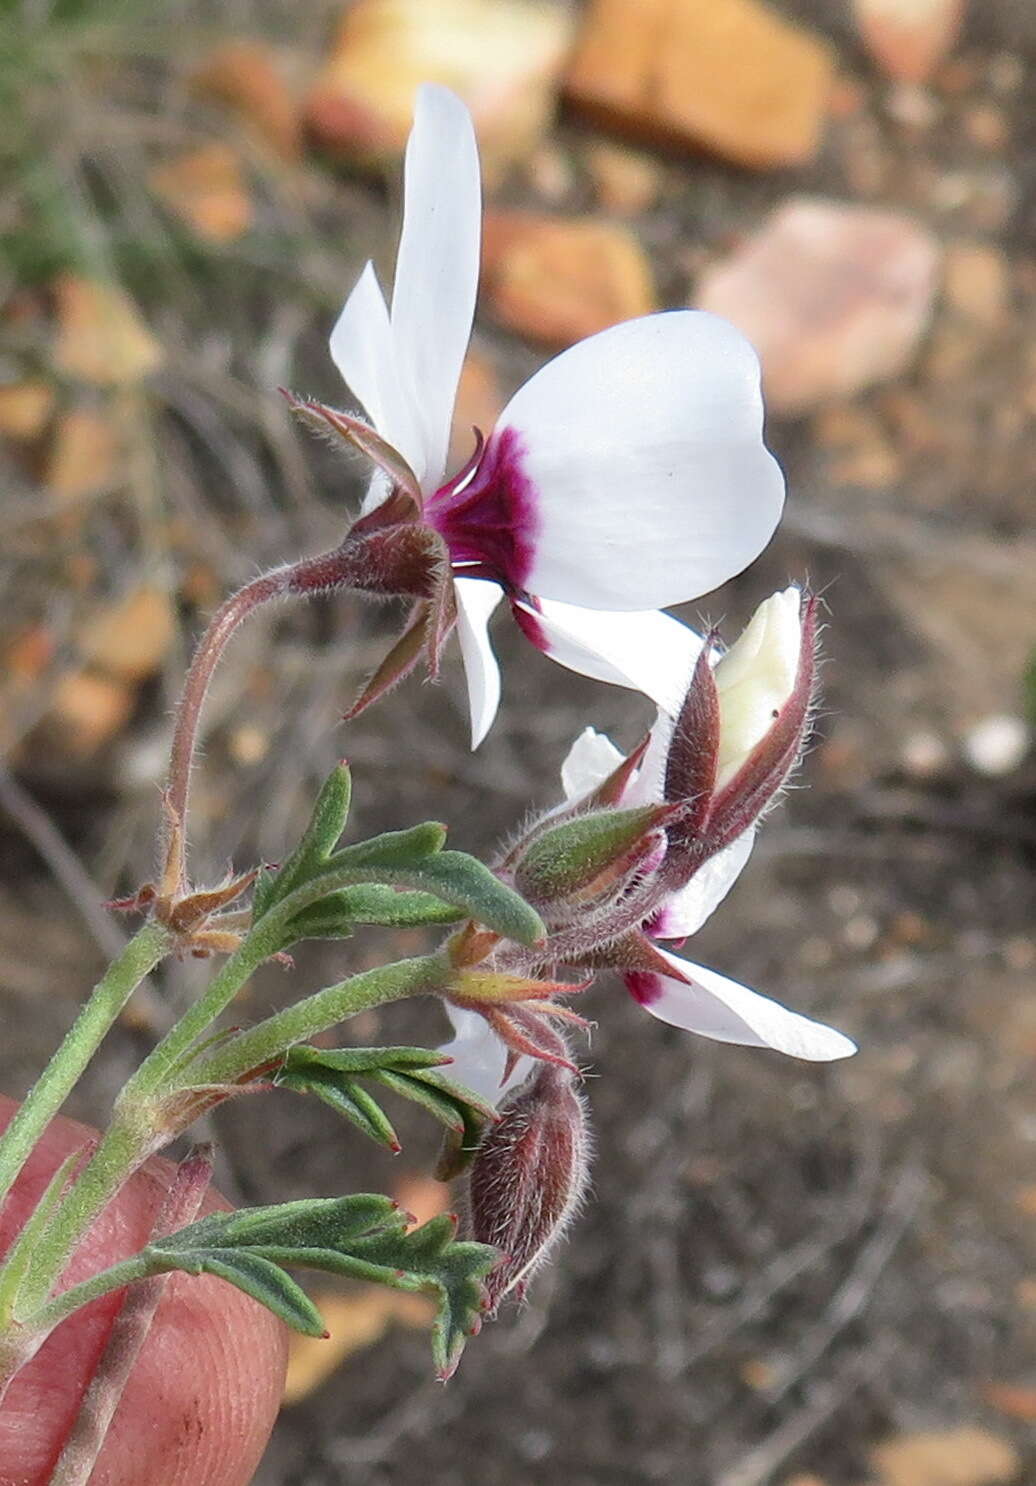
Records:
x=529, y=1177
x=756, y=678
x=584, y=858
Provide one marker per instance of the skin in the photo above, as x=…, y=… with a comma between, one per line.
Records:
x=201, y=1401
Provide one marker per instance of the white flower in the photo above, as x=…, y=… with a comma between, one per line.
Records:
x=628, y=474
x=755, y=681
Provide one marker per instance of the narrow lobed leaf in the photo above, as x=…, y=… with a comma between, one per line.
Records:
x=264, y=1281
x=318, y=841
x=363, y=1237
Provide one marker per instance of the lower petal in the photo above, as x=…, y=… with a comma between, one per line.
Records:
x=588, y=763
x=476, y=601
x=701, y=1000
x=687, y=910
x=480, y=1058
x=646, y=650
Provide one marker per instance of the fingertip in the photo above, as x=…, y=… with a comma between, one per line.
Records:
x=204, y=1393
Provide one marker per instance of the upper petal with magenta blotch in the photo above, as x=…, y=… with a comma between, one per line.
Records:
x=643, y=450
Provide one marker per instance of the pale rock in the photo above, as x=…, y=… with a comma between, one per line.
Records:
x=502, y=57
x=247, y=78
x=559, y=279
x=627, y=182
x=924, y=755
x=987, y=127
x=88, y=710
x=102, y=338
x=85, y=457
x=549, y=173
x=25, y=409
x=207, y=188
x=912, y=106
x=834, y=298
x=908, y=38
x=997, y=745
x=965, y=1456
x=976, y=283
x=129, y=638
x=726, y=75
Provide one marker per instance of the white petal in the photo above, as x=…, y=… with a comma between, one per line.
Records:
x=644, y=447
x=588, y=763
x=686, y=911
x=646, y=650
x=362, y=350
x=648, y=784
x=716, y=1007
x=433, y=299
x=479, y=1057
x=476, y=600
x=755, y=678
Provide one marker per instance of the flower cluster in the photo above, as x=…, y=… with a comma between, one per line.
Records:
x=628, y=474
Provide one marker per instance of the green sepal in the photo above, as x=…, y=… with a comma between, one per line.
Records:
x=363, y=1237
x=578, y=854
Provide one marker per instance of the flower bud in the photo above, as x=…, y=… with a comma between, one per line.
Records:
x=756, y=678
x=583, y=858
x=529, y=1177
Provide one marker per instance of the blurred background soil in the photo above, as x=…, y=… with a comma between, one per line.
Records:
x=790, y=1274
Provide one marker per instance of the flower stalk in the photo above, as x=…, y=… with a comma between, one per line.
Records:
x=48, y=1094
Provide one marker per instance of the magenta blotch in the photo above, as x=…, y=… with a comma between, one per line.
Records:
x=490, y=524
x=644, y=986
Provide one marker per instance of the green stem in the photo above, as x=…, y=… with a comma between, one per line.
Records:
x=151, y=1076
x=123, y=1148
x=126, y=1272
x=51, y=1089
x=272, y=1037
x=130, y=1138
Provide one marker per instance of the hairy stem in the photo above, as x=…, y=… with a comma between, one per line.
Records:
x=81, y=1041
x=122, y=1150
x=346, y=566
x=272, y=1037
x=227, y=619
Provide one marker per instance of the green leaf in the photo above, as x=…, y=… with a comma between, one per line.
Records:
x=393, y=849
x=438, y=886
x=347, y=1097
x=18, y=1259
x=319, y=840
x=335, y=916
x=264, y=1281
x=363, y=1237
x=453, y=877
x=413, y=1073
